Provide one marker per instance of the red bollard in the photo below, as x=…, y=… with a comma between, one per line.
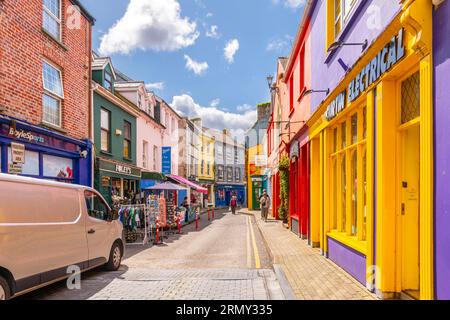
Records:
x=213, y=213
x=209, y=217
x=157, y=233
x=196, y=221
x=179, y=224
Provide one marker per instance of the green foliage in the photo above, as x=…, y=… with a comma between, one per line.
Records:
x=283, y=167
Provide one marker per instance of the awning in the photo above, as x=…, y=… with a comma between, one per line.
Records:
x=186, y=182
x=166, y=186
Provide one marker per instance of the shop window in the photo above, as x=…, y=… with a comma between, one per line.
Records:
x=354, y=185
x=127, y=140
x=51, y=19
x=411, y=98
x=53, y=94
x=349, y=176
x=105, y=126
x=95, y=206
x=31, y=165
x=344, y=193
x=57, y=167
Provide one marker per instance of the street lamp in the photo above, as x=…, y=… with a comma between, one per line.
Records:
x=272, y=86
x=336, y=45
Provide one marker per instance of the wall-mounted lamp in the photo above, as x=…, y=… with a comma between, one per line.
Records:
x=270, y=83
x=83, y=154
x=336, y=45
x=310, y=91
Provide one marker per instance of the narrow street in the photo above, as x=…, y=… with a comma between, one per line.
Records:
x=226, y=259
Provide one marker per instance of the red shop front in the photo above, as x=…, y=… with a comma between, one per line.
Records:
x=299, y=189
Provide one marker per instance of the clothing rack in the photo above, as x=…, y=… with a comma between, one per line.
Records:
x=139, y=207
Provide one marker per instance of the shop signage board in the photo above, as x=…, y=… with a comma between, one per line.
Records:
x=166, y=160
x=108, y=166
x=17, y=153
x=385, y=60
x=123, y=169
x=14, y=168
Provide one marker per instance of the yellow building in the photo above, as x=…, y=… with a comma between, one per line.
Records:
x=257, y=181
x=206, y=163
x=372, y=160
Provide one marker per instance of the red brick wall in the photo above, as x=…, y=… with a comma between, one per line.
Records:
x=23, y=46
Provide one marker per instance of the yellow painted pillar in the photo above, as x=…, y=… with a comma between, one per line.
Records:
x=323, y=236
x=326, y=185
x=370, y=190
x=426, y=180
x=386, y=188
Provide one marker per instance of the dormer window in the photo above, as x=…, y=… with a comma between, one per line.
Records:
x=108, y=81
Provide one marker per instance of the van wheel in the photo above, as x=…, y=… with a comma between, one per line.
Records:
x=115, y=258
x=4, y=289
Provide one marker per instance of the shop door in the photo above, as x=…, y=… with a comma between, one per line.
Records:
x=257, y=193
x=228, y=197
x=410, y=222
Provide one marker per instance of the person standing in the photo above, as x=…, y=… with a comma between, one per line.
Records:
x=233, y=204
x=265, y=204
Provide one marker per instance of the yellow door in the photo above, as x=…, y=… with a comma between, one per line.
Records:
x=410, y=225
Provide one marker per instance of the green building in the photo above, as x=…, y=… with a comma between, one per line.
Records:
x=115, y=173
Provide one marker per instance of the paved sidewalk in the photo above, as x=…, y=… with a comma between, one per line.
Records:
x=310, y=275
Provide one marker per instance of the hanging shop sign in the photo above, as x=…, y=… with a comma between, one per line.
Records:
x=166, y=160
x=17, y=153
x=384, y=61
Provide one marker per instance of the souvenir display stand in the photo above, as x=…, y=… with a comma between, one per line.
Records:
x=135, y=223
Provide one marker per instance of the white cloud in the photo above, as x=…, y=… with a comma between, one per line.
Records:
x=150, y=25
x=230, y=50
x=213, y=117
x=245, y=108
x=215, y=103
x=209, y=14
x=212, y=32
x=155, y=86
x=280, y=44
x=197, y=67
x=294, y=4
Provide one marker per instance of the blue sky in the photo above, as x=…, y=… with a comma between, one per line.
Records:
x=180, y=45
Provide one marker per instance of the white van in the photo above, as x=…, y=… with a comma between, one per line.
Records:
x=47, y=227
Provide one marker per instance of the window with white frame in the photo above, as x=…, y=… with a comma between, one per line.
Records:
x=342, y=10
x=108, y=81
x=144, y=153
x=51, y=19
x=53, y=94
x=105, y=126
x=155, y=157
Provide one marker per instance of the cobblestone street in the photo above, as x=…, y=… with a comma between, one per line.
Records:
x=226, y=259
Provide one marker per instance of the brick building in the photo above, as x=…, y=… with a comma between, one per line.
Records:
x=45, y=102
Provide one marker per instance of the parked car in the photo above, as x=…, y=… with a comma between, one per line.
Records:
x=47, y=227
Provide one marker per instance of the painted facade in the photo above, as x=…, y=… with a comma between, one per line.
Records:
x=115, y=133
x=372, y=142
x=45, y=108
x=441, y=58
x=206, y=163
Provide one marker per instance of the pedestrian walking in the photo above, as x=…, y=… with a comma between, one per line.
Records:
x=233, y=204
x=265, y=204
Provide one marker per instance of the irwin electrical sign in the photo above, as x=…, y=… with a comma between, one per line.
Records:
x=388, y=57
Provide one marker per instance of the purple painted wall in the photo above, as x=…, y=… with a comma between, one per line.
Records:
x=442, y=132
x=368, y=21
x=348, y=259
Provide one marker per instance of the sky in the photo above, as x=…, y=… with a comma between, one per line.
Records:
x=207, y=58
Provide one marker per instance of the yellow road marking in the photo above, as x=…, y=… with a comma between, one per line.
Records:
x=249, y=249
x=255, y=247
